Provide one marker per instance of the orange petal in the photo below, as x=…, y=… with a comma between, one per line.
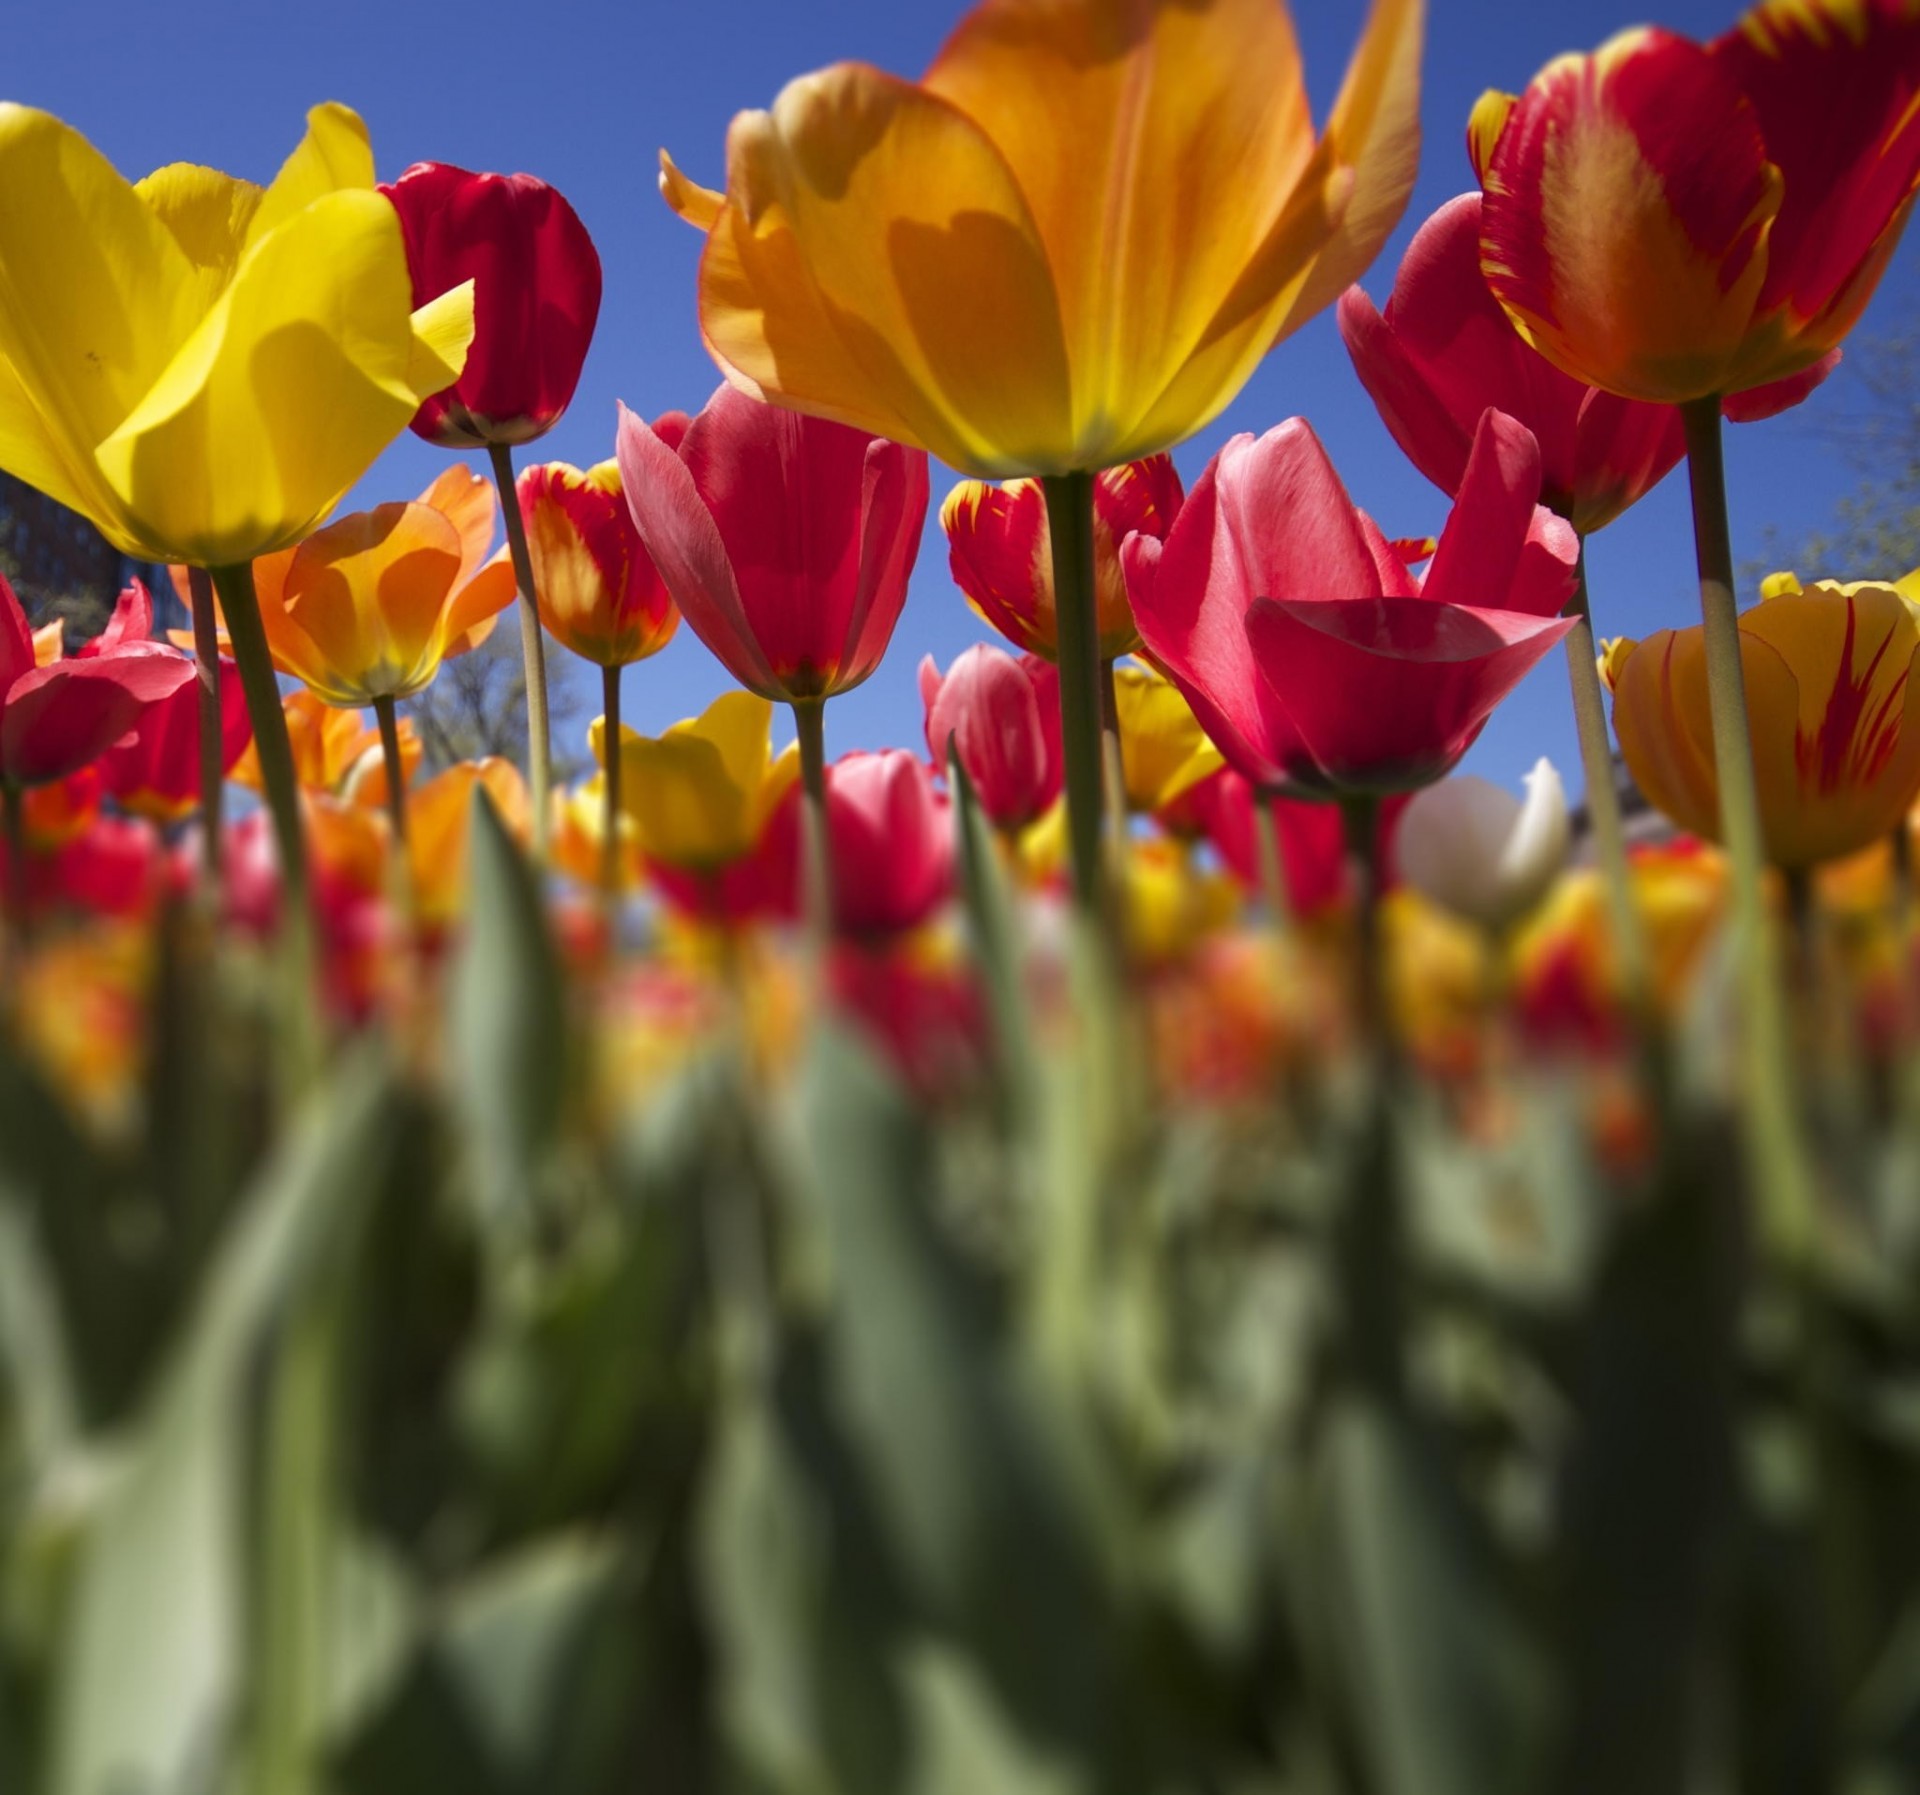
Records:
x=478, y=604
x=876, y=264
x=469, y=504
x=698, y=205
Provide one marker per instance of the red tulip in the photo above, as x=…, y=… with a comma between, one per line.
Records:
x=58, y=718
x=785, y=540
x=1002, y=715
x=1001, y=551
x=1310, y=653
x=1313, y=851
x=536, y=297
x=1445, y=350
x=892, y=842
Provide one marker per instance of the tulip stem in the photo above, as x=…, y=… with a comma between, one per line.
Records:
x=240, y=606
x=1077, y=647
x=213, y=772
x=1360, y=815
x=610, y=795
x=1769, y=1113
x=532, y=646
x=383, y=712
x=816, y=853
x=1273, y=860
x=1603, y=803
x=13, y=820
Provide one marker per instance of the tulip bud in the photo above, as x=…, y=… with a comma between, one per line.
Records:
x=536, y=298
x=1002, y=716
x=1477, y=850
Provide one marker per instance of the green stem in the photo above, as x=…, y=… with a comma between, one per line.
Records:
x=213, y=749
x=383, y=712
x=1273, y=859
x=610, y=791
x=1603, y=803
x=1360, y=814
x=1077, y=649
x=13, y=821
x=1775, y=1149
x=532, y=647
x=816, y=856
x=274, y=751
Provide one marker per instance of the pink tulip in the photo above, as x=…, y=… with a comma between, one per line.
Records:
x=785, y=540
x=1445, y=350
x=892, y=842
x=1002, y=715
x=58, y=718
x=1310, y=653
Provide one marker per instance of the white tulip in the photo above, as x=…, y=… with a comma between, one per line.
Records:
x=1477, y=850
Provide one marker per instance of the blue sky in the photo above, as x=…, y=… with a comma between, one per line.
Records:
x=583, y=92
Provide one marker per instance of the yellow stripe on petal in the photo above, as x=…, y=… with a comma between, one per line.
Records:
x=877, y=264
x=1484, y=125
x=283, y=396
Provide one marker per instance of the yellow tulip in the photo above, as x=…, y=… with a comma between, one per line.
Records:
x=1070, y=245
x=701, y=794
x=200, y=366
x=1832, y=702
x=1163, y=749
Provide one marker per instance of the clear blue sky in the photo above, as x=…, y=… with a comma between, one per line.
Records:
x=582, y=92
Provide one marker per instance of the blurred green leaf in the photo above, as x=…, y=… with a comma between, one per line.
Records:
x=152, y=1662
x=969, y=1476
x=993, y=927
x=507, y=1025
x=1446, y=1695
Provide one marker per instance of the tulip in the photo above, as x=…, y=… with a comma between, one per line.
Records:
x=334, y=751
x=702, y=796
x=892, y=843
x=1000, y=549
x=1163, y=749
x=1362, y=679
x=1674, y=221
x=1833, y=706
x=536, y=298
x=155, y=771
x=786, y=541
x=1069, y=245
x=1001, y=717
x=600, y=594
x=1475, y=849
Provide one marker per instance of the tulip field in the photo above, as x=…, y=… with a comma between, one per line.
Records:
x=1155, y=1238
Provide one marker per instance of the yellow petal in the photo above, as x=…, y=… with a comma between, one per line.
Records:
x=876, y=264
x=696, y=204
x=1488, y=120
x=1163, y=749
x=1776, y=585
x=442, y=334
x=97, y=298
x=334, y=154
x=1157, y=144
x=208, y=213
x=281, y=398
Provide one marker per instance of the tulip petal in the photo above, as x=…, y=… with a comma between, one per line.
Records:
x=1432, y=673
x=1404, y=395
x=467, y=501
x=1835, y=85
x=442, y=334
x=476, y=606
x=334, y=154
x=57, y=719
x=208, y=213
x=17, y=653
x=699, y=206
x=1156, y=143
x=1628, y=244
x=684, y=544
x=279, y=400
x=877, y=264
x=1758, y=403
x=1499, y=549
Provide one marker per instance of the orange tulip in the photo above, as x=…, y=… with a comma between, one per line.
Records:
x=371, y=605
x=1832, y=703
x=1070, y=245
x=333, y=750
x=1669, y=220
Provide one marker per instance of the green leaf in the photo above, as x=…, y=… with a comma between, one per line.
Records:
x=507, y=1025
x=991, y=923
x=152, y=1662
x=1444, y=1690
x=966, y=1466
